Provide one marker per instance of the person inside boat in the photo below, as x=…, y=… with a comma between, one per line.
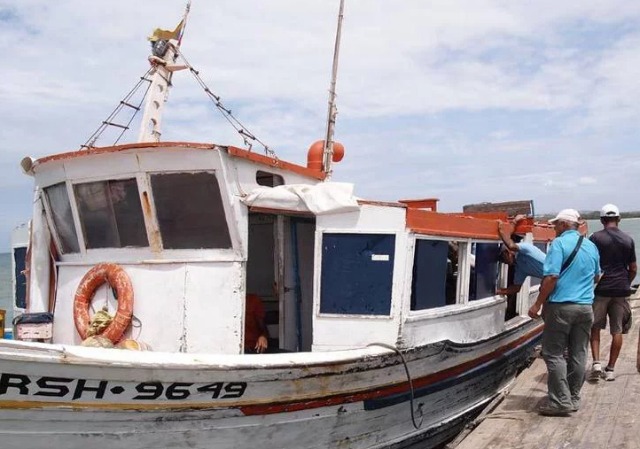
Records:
x=526, y=258
x=452, y=273
x=256, y=334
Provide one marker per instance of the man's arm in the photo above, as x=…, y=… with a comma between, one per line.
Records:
x=510, y=290
x=263, y=340
x=633, y=270
x=505, y=231
x=256, y=309
x=546, y=287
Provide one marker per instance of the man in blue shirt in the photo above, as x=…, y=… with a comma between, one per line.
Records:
x=570, y=269
x=526, y=258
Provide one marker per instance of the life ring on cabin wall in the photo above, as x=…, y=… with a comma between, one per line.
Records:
x=118, y=279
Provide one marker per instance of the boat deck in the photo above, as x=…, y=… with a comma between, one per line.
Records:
x=609, y=416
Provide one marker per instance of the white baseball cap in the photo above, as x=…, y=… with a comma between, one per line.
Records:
x=609, y=210
x=570, y=215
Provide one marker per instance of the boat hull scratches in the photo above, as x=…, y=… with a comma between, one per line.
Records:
x=502, y=368
x=379, y=419
x=509, y=358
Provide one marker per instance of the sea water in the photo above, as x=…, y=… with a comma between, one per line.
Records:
x=630, y=226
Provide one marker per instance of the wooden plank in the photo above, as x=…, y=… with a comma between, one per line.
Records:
x=608, y=417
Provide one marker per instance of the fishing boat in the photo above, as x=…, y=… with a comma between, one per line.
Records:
x=385, y=328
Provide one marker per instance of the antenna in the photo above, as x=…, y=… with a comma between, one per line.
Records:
x=332, y=111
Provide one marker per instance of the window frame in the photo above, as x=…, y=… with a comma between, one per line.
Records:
x=55, y=234
x=107, y=180
x=500, y=277
x=462, y=260
x=463, y=304
x=318, y=274
x=220, y=254
x=71, y=183
x=140, y=254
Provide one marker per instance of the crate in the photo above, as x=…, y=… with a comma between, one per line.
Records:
x=33, y=327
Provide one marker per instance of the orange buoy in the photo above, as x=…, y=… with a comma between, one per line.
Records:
x=118, y=279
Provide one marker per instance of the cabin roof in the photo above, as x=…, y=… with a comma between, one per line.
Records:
x=267, y=161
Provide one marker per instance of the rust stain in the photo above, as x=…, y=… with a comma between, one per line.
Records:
x=155, y=242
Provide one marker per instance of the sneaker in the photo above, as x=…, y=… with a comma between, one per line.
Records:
x=609, y=375
x=596, y=372
x=546, y=409
x=575, y=404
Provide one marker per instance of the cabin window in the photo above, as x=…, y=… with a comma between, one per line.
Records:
x=264, y=178
x=532, y=279
x=357, y=273
x=542, y=246
x=484, y=270
x=111, y=214
x=190, y=211
x=435, y=274
x=62, y=217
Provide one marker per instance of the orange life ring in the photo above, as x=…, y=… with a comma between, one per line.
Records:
x=118, y=279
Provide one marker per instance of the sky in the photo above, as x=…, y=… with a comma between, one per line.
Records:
x=465, y=101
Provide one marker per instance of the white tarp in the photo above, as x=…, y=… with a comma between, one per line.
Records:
x=322, y=198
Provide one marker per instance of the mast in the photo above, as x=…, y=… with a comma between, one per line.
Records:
x=332, y=111
x=164, y=52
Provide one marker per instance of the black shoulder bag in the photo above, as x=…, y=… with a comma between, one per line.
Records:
x=572, y=256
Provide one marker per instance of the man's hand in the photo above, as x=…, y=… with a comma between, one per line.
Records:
x=534, y=310
x=261, y=344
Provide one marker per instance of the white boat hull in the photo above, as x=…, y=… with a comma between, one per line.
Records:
x=69, y=397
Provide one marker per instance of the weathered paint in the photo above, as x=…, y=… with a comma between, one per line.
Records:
x=344, y=401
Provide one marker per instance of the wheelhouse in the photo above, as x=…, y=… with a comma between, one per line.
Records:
x=175, y=217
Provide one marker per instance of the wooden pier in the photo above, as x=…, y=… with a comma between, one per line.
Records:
x=609, y=416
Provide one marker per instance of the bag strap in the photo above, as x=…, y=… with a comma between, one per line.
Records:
x=567, y=262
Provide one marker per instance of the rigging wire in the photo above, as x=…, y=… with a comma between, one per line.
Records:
x=90, y=143
x=136, y=110
x=246, y=135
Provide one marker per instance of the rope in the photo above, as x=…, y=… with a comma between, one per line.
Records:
x=406, y=369
x=246, y=135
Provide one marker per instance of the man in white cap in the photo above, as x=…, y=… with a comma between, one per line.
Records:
x=618, y=261
x=570, y=269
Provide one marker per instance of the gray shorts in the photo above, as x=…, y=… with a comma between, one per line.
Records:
x=618, y=310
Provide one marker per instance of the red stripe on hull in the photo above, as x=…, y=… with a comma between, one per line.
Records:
x=403, y=387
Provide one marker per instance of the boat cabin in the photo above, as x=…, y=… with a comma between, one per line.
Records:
x=176, y=218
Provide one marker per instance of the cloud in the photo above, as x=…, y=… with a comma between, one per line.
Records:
x=466, y=101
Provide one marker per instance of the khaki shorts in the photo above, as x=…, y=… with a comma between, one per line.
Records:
x=618, y=310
